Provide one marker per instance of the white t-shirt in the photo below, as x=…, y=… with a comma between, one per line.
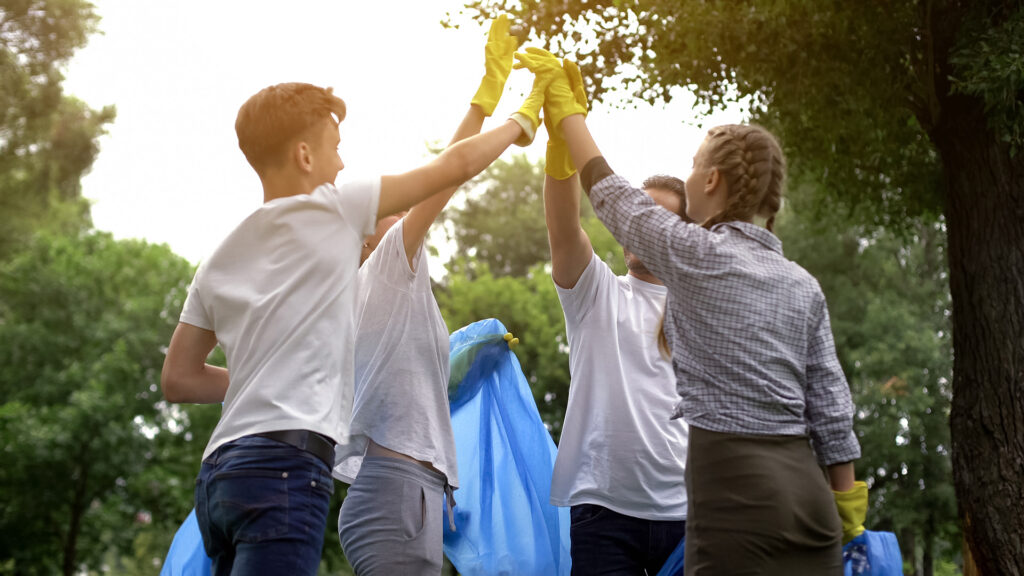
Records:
x=619, y=449
x=401, y=364
x=279, y=292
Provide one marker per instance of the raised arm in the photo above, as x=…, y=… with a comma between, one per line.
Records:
x=497, y=65
x=464, y=159
x=570, y=246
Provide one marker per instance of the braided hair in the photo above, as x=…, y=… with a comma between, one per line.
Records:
x=750, y=160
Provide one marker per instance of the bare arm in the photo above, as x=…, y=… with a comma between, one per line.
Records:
x=186, y=377
x=454, y=166
x=841, y=476
x=571, y=250
x=581, y=143
x=417, y=222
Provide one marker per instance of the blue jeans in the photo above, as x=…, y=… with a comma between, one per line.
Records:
x=262, y=508
x=604, y=542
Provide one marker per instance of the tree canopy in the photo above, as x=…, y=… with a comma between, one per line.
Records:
x=48, y=140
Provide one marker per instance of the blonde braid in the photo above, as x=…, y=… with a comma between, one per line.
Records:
x=751, y=162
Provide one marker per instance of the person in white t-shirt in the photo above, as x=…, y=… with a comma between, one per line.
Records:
x=620, y=464
x=279, y=296
x=400, y=457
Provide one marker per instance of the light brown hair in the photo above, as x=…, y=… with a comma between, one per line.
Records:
x=274, y=117
x=673, y=184
x=750, y=160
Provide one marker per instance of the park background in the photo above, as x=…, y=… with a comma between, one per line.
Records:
x=119, y=171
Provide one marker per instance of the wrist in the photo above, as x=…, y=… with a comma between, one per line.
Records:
x=529, y=129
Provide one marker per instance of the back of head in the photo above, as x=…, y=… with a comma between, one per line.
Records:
x=274, y=117
x=670, y=184
x=750, y=160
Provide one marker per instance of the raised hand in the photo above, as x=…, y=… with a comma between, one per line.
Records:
x=558, y=163
x=528, y=116
x=560, y=101
x=497, y=65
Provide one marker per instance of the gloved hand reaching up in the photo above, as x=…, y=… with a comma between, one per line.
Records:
x=497, y=64
x=558, y=163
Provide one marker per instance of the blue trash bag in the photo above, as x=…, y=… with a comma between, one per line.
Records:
x=674, y=565
x=187, y=557
x=504, y=521
x=870, y=554
x=873, y=554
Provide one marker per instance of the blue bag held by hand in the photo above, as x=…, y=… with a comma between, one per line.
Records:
x=873, y=554
x=504, y=521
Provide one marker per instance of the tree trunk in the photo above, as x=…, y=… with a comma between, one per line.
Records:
x=985, y=225
x=78, y=504
x=928, y=557
x=908, y=546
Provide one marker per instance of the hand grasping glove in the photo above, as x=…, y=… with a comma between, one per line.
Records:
x=560, y=101
x=497, y=65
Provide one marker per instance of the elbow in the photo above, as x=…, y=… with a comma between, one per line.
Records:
x=458, y=165
x=171, y=385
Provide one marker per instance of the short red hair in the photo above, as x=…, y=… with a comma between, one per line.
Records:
x=275, y=116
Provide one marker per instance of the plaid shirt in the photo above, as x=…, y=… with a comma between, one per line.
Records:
x=751, y=341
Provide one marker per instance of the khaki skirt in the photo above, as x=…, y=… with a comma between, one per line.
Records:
x=758, y=505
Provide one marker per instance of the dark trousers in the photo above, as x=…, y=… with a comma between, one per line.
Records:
x=262, y=508
x=606, y=542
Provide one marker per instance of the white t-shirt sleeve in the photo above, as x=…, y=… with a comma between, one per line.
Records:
x=357, y=202
x=579, y=300
x=193, y=312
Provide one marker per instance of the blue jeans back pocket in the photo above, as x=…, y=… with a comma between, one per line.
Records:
x=251, y=504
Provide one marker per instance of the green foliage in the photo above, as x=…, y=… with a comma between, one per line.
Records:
x=502, y=222
x=850, y=88
x=47, y=140
x=989, y=63
x=84, y=320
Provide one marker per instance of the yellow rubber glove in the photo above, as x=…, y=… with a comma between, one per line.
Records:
x=560, y=101
x=853, y=510
x=497, y=65
x=558, y=163
x=528, y=116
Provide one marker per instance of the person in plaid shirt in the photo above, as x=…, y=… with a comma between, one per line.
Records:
x=752, y=350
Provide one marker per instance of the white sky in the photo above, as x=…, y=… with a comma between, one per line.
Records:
x=170, y=171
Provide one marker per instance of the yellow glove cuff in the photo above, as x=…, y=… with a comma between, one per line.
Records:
x=529, y=126
x=488, y=94
x=853, y=510
x=558, y=162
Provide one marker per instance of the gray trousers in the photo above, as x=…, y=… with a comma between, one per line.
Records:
x=391, y=520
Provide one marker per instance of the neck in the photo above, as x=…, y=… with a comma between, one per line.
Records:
x=646, y=277
x=281, y=185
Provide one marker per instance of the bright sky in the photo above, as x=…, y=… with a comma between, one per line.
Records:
x=170, y=171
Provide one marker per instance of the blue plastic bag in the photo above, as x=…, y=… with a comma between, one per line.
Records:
x=674, y=565
x=187, y=557
x=873, y=554
x=504, y=521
